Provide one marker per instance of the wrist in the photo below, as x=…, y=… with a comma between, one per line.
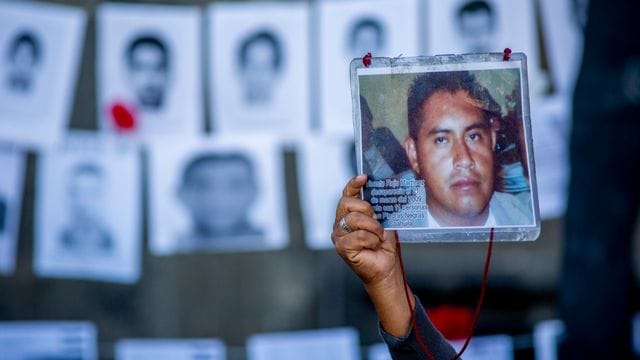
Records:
x=390, y=300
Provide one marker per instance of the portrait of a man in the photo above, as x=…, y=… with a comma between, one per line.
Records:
x=86, y=232
x=148, y=66
x=476, y=24
x=23, y=56
x=260, y=62
x=452, y=132
x=218, y=190
x=366, y=35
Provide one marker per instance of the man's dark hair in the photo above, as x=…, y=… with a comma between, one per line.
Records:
x=209, y=158
x=263, y=35
x=475, y=6
x=148, y=39
x=366, y=23
x=427, y=84
x=25, y=37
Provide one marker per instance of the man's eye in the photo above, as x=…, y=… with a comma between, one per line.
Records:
x=441, y=140
x=474, y=137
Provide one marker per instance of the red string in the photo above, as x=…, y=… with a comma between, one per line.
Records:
x=483, y=288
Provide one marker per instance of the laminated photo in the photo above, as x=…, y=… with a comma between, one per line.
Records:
x=446, y=144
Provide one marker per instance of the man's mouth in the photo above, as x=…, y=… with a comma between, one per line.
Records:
x=464, y=184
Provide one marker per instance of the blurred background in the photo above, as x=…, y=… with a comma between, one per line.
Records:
x=144, y=119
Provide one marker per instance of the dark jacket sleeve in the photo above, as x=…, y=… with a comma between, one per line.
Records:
x=408, y=348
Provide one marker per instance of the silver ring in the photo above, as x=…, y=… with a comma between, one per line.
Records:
x=343, y=224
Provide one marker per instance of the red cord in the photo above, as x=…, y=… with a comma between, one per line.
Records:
x=483, y=288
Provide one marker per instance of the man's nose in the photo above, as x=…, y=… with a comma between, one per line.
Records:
x=462, y=155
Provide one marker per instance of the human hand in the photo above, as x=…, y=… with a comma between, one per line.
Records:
x=368, y=250
x=372, y=253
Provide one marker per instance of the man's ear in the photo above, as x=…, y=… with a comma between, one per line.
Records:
x=412, y=153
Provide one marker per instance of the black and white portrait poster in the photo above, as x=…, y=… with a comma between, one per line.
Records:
x=148, y=69
x=481, y=26
x=325, y=164
x=350, y=29
x=551, y=133
x=217, y=194
x=21, y=340
x=40, y=49
x=170, y=349
x=11, y=184
x=562, y=22
x=259, y=75
x=88, y=217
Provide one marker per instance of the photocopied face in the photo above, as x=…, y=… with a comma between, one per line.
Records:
x=148, y=62
x=476, y=24
x=218, y=190
x=260, y=60
x=85, y=231
x=366, y=35
x=23, y=55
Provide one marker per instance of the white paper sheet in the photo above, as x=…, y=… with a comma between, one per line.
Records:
x=170, y=349
x=259, y=75
x=88, y=217
x=217, y=194
x=338, y=23
x=149, y=61
x=41, y=45
x=335, y=344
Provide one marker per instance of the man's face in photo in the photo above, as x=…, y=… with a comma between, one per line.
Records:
x=367, y=38
x=22, y=62
x=218, y=194
x=259, y=69
x=453, y=153
x=148, y=74
x=86, y=191
x=477, y=30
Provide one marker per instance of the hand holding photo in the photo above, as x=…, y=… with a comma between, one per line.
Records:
x=446, y=144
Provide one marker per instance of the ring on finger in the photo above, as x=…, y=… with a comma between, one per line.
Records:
x=343, y=224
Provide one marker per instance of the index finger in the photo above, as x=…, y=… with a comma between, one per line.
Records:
x=352, y=189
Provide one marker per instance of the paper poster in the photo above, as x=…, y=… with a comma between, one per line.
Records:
x=170, y=349
x=480, y=26
x=325, y=164
x=488, y=347
x=259, y=75
x=217, y=194
x=148, y=69
x=562, y=30
x=88, y=217
x=335, y=344
x=40, y=47
x=350, y=29
x=24, y=340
